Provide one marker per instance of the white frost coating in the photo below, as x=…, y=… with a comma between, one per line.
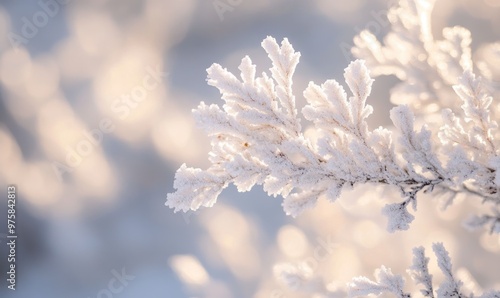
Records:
x=386, y=283
x=195, y=188
x=419, y=272
x=399, y=217
x=450, y=287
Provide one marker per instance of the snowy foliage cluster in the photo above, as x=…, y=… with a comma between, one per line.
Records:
x=299, y=278
x=390, y=283
x=257, y=137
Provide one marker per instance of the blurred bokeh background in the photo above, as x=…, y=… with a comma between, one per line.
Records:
x=95, y=101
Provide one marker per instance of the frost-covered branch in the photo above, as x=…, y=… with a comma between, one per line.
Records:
x=389, y=283
x=256, y=138
x=386, y=283
x=300, y=279
x=419, y=272
x=433, y=72
x=428, y=68
x=491, y=221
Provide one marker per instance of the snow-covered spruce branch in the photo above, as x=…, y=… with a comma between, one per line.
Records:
x=387, y=282
x=427, y=68
x=432, y=73
x=256, y=138
x=299, y=279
